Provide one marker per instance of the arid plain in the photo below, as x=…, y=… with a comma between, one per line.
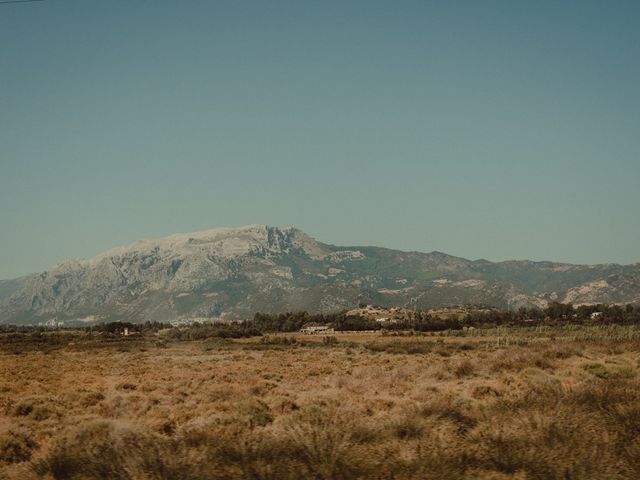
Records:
x=507, y=403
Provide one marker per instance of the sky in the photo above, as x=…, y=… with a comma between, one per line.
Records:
x=494, y=129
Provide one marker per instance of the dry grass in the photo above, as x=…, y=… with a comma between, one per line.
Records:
x=545, y=404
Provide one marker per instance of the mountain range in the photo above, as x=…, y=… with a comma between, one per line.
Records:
x=234, y=272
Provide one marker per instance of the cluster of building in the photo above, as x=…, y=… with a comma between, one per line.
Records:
x=317, y=330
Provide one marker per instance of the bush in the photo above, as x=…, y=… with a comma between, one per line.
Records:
x=16, y=445
x=105, y=449
x=464, y=368
x=36, y=408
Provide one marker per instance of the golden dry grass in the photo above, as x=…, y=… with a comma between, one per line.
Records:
x=512, y=404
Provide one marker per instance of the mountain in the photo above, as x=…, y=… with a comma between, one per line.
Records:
x=9, y=287
x=234, y=272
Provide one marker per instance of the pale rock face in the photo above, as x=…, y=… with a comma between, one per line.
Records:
x=234, y=272
x=471, y=283
x=397, y=291
x=516, y=300
x=587, y=293
x=222, y=242
x=339, y=257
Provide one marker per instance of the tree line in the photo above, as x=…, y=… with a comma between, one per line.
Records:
x=419, y=320
x=555, y=313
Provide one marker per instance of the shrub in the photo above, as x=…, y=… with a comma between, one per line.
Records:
x=126, y=386
x=330, y=341
x=256, y=413
x=105, y=449
x=16, y=445
x=36, y=408
x=90, y=399
x=464, y=368
x=597, y=369
x=322, y=436
x=407, y=427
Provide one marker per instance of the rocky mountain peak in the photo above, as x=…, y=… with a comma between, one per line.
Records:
x=234, y=272
x=220, y=242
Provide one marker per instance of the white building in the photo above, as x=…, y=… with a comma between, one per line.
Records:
x=316, y=330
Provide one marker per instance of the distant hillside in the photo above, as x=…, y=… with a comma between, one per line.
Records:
x=9, y=287
x=234, y=272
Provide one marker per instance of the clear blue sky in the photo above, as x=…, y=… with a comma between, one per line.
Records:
x=488, y=129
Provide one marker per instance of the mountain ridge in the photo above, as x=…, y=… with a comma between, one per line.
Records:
x=234, y=272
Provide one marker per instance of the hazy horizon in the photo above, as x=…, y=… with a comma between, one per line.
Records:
x=495, y=130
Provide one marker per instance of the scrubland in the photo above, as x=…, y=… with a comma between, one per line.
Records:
x=506, y=403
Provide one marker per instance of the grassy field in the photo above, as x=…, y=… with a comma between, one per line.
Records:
x=538, y=403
